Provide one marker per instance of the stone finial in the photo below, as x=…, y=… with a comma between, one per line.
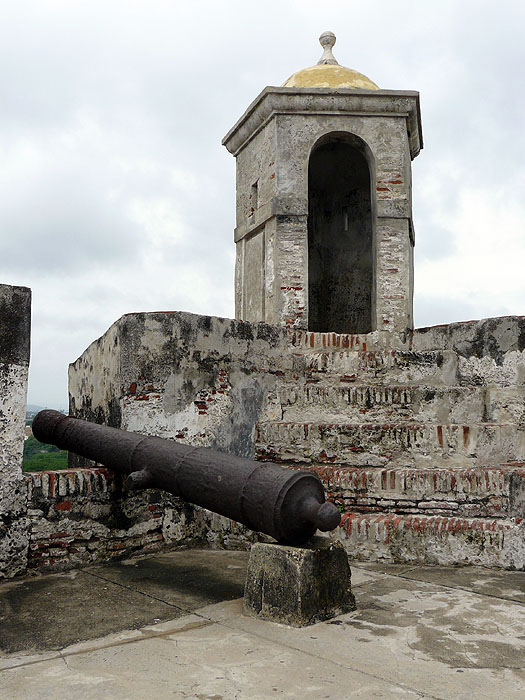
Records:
x=327, y=40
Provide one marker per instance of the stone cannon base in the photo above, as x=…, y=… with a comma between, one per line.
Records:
x=298, y=586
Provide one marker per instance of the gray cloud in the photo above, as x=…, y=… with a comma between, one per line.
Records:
x=117, y=195
x=61, y=220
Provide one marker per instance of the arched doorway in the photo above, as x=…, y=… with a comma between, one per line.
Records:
x=340, y=236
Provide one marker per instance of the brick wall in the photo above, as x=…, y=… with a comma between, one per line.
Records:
x=78, y=517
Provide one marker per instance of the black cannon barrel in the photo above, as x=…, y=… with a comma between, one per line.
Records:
x=287, y=505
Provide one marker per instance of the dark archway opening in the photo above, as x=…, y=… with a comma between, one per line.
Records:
x=340, y=237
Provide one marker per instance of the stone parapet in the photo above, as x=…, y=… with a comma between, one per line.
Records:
x=364, y=403
x=78, y=517
x=199, y=379
x=434, y=539
x=428, y=424
x=15, y=328
x=368, y=444
x=481, y=492
x=492, y=337
x=384, y=366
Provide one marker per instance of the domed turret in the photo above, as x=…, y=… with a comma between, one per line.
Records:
x=328, y=73
x=324, y=231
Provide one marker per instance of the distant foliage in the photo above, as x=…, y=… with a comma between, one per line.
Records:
x=39, y=457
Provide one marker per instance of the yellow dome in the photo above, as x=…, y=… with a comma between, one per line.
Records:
x=327, y=76
x=328, y=73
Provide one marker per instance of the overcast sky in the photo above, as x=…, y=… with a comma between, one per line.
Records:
x=116, y=195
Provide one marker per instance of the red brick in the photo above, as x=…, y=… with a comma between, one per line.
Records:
x=64, y=505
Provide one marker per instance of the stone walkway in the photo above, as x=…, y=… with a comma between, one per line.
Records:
x=170, y=626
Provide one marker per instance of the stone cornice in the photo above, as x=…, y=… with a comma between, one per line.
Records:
x=297, y=207
x=281, y=100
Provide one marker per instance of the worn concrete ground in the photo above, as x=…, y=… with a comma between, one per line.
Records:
x=170, y=626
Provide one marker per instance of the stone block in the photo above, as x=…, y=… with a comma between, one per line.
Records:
x=15, y=324
x=298, y=586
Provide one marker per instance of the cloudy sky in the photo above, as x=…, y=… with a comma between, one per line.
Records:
x=116, y=195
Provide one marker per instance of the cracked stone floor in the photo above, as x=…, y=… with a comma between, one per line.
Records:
x=170, y=626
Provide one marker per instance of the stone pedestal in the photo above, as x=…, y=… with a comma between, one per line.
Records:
x=298, y=586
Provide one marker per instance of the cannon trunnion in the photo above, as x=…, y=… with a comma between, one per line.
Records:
x=287, y=505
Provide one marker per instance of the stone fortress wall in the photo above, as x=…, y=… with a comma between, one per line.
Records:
x=418, y=435
x=56, y=520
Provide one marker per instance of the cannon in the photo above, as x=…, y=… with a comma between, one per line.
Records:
x=286, y=504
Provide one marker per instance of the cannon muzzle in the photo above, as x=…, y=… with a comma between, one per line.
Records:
x=285, y=504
